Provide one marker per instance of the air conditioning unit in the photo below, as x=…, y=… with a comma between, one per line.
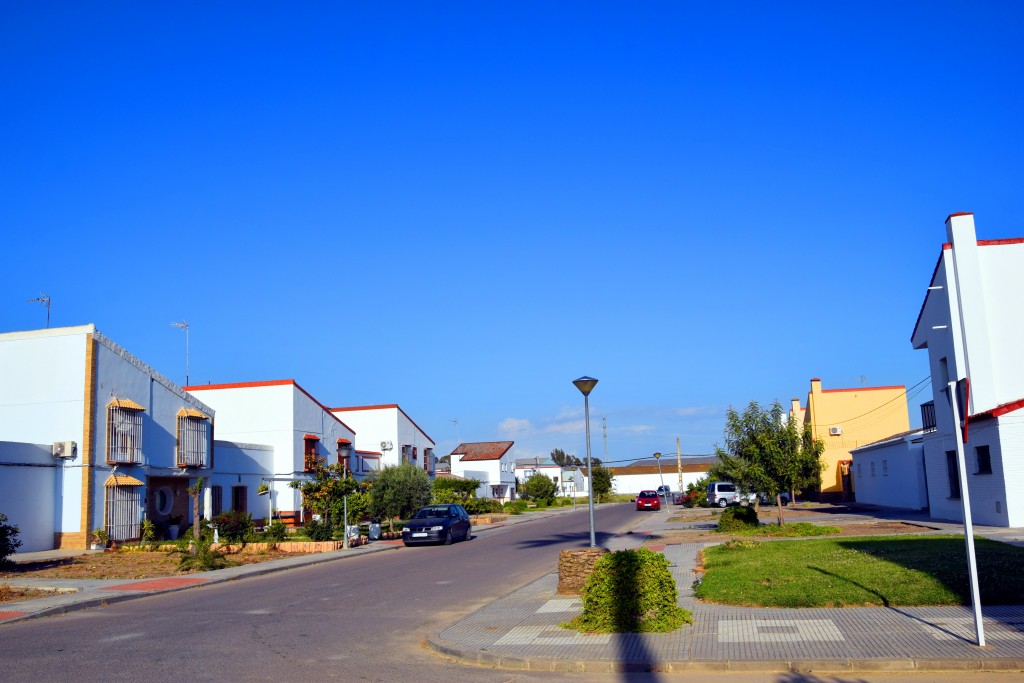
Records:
x=386, y=445
x=64, y=449
x=835, y=431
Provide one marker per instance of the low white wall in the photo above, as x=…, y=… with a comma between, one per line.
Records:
x=29, y=481
x=635, y=483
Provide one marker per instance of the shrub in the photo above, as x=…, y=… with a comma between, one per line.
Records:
x=630, y=591
x=515, y=507
x=539, y=488
x=234, y=525
x=482, y=506
x=277, y=531
x=738, y=518
x=200, y=555
x=9, y=541
x=318, y=530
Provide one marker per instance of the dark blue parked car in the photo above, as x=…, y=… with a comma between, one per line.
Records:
x=438, y=524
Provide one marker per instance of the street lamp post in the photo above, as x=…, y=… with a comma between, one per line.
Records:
x=586, y=385
x=657, y=456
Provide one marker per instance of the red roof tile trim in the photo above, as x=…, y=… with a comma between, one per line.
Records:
x=385, y=406
x=1001, y=410
x=271, y=383
x=484, y=450
x=312, y=437
x=834, y=391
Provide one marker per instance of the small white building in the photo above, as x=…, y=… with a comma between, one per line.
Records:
x=125, y=442
x=492, y=463
x=644, y=475
x=386, y=435
x=890, y=473
x=284, y=417
x=971, y=326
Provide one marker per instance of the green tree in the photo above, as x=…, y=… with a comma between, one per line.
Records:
x=602, y=482
x=764, y=454
x=325, y=492
x=540, y=488
x=563, y=459
x=398, y=491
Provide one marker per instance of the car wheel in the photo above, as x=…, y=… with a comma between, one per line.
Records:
x=448, y=537
x=722, y=502
x=469, y=532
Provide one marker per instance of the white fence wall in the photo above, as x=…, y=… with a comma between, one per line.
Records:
x=29, y=481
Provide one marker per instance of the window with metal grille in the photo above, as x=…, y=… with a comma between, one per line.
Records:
x=428, y=459
x=406, y=453
x=309, y=454
x=872, y=468
x=885, y=468
x=239, y=498
x=193, y=439
x=124, y=512
x=953, y=473
x=124, y=432
x=216, y=500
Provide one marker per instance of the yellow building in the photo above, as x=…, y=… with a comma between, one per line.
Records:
x=844, y=419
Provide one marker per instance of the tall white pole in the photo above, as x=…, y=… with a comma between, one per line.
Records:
x=590, y=472
x=965, y=502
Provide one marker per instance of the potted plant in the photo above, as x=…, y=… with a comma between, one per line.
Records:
x=99, y=539
x=262, y=490
x=173, y=527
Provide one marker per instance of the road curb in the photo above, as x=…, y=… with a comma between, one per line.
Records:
x=482, y=658
x=92, y=601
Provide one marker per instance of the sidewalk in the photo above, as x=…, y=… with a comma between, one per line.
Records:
x=520, y=631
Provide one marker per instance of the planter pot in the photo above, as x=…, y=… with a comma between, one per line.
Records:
x=172, y=532
x=97, y=546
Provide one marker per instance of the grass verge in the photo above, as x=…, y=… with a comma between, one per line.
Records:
x=863, y=571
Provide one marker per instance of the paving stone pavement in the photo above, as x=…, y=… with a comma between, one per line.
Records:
x=521, y=631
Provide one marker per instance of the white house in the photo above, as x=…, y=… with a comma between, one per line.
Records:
x=124, y=441
x=386, y=435
x=297, y=428
x=971, y=326
x=890, y=473
x=492, y=463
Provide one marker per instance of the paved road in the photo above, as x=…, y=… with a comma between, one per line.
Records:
x=363, y=618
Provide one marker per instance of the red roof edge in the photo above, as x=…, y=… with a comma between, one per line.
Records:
x=833, y=391
x=1000, y=410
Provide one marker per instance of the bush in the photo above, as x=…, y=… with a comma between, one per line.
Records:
x=277, y=531
x=539, y=488
x=515, y=507
x=318, y=530
x=234, y=525
x=201, y=556
x=630, y=591
x=9, y=541
x=738, y=518
x=482, y=506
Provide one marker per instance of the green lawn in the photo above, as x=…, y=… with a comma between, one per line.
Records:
x=874, y=570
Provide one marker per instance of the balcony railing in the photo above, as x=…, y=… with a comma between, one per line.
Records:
x=928, y=416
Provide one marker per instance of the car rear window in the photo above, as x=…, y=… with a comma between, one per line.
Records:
x=726, y=488
x=648, y=494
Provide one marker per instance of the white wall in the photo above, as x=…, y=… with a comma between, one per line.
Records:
x=376, y=424
x=244, y=464
x=30, y=482
x=898, y=475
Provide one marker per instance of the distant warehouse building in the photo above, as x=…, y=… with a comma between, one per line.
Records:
x=643, y=475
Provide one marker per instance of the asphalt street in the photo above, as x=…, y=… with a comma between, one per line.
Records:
x=363, y=618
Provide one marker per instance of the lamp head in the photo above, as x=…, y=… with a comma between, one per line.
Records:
x=585, y=384
x=657, y=455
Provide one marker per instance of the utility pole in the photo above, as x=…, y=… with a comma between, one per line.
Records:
x=604, y=428
x=679, y=464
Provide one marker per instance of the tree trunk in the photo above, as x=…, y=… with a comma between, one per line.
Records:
x=778, y=503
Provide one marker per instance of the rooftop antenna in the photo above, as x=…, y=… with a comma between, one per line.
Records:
x=184, y=325
x=43, y=299
x=455, y=421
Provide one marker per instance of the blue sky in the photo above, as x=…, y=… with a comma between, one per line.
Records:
x=462, y=207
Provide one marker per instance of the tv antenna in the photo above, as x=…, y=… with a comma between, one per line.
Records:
x=184, y=325
x=44, y=300
x=455, y=421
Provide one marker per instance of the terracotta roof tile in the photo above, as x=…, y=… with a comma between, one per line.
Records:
x=483, y=450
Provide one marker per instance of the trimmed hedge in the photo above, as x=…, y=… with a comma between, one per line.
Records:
x=630, y=591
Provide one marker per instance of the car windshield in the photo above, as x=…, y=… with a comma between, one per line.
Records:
x=431, y=513
x=648, y=494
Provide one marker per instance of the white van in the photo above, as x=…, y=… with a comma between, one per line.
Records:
x=725, y=493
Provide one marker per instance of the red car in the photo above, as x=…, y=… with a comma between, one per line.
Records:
x=648, y=500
